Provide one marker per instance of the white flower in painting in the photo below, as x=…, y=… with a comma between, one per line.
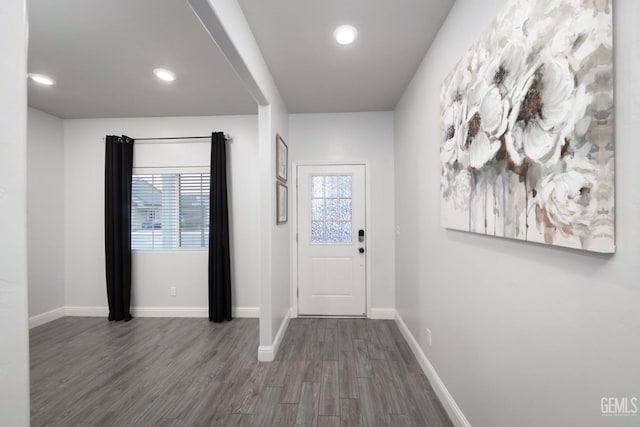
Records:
x=452, y=149
x=461, y=189
x=546, y=106
x=454, y=106
x=485, y=125
x=456, y=86
x=485, y=50
x=488, y=105
x=476, y=56
x=569, y=197
x=504, y=70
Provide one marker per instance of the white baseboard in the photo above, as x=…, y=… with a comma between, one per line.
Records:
x=382, y=313
x=187, y=312
x=266, y=353
x=246, y=312
x=192, y=312
x=49, y=316
x=183, y=312
x=453, y=410
x=85, y=311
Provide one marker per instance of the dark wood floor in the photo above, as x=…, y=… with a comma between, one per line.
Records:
x=189, y=372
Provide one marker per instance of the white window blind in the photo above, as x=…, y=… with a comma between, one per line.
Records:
x=194, y=210
x=170, y=211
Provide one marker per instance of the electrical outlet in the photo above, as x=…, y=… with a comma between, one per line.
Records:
x=397, y=230
x=173, y=291
x=429, y=336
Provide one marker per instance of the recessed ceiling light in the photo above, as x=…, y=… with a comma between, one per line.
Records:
x=345, y=34
x=41, y=79
x=164, y=74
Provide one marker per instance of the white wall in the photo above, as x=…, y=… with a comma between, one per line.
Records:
x=14, y=332
x=228, y=27
x=275, y=253
x=45, y=211
x=280, y=234
x=523, y=334
x=360, y=137
x=154, y=272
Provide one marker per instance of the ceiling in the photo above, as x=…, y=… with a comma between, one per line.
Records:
x=315, y=74
x=102, y=55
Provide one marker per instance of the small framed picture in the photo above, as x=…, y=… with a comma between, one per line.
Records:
x=282, y=159
x=281, y=203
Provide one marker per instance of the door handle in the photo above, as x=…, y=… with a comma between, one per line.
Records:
x=361, y=250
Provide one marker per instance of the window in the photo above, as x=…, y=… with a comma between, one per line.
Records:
x=331, y=209
x=170, y=211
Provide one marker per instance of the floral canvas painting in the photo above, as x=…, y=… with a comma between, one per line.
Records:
x=527, y=148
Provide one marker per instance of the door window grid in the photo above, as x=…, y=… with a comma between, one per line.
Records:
x=331, y=209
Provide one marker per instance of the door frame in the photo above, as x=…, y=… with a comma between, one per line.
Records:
x=294, y=227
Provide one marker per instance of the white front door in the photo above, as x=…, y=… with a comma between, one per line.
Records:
x=331, y=240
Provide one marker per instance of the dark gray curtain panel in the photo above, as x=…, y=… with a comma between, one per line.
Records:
x=117, y=225
x=219, y=258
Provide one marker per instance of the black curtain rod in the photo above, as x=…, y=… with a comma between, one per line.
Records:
x=169, y=138
x=177, y=137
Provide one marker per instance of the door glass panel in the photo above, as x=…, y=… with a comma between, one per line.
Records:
x=332, y=234
x=331, y=209
x=317, y=209
x=345, y=231
x=317, y=186
x=345, y=209
x=345, y=186
x=331, y=186
x=317, y=232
